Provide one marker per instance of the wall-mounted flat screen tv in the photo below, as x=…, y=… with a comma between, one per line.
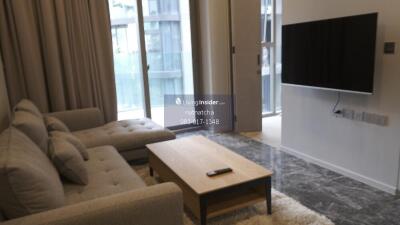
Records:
x=333, y=54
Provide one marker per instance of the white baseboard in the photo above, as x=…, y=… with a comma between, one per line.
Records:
x=366, y=180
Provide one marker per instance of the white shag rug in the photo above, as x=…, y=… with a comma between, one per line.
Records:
x=285, y=210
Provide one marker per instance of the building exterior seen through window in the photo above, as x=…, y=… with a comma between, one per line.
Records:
x=271, y=56
x=167, y=35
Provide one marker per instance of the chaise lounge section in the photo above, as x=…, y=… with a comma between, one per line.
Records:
x=129, y=137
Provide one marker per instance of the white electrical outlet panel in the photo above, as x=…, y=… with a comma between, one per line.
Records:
x=375, y=119
x=348, y=114
x=366, y=117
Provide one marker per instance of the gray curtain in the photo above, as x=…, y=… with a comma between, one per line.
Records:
x=58, y=53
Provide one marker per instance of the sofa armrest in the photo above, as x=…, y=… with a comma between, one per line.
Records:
x=80, y=119
x=155, y=205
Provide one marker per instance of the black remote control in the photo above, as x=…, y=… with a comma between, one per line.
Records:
x=219, y=172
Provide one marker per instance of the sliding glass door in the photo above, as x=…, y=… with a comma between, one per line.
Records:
x=168, y=50
x=164, y=28
x=127, y=59
x=271, y=66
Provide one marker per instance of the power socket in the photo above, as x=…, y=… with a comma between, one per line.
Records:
x=359, y=116
x=389, y=48
x=348, y=114
x=366, y=117
x=375, y=119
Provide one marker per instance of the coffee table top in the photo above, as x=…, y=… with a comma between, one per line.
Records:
x=192, y=157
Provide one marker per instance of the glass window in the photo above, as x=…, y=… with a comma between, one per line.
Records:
x=266, y=21
x=278, y=55
x=167, y=35
x=168, y=51
x=266, y=80
x=127, y=59
x=271, y=55
x=267, y=56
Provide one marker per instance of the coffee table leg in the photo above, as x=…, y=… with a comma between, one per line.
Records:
x=151, y=171
x=268, y=196
x=203, y=210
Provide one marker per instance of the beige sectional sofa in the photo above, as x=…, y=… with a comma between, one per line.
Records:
x=33, y=193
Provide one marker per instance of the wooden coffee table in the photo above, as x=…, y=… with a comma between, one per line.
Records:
x=186, y=161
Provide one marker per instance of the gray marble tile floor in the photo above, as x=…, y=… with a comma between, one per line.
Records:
x=343, y=200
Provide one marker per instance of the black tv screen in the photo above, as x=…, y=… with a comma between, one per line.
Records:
x=337, y=54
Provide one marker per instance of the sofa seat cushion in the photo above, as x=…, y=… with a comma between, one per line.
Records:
x=108, y=174
x=125, y=135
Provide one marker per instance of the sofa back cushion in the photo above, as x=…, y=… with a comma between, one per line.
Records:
x=54, y=124
x=68, y=161
x=28, y=106
x=29, y=182
x=33, y=127
x=74, y=141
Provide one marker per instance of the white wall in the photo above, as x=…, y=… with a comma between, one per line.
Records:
x=4, y=105
x=363, y=151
